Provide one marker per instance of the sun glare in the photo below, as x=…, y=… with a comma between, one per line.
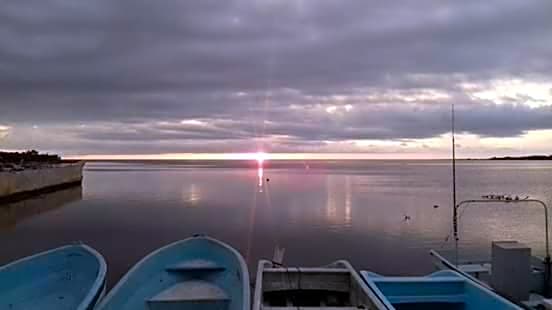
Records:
x=260, y=157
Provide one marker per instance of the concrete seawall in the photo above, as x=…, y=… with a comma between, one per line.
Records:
x=28, y=181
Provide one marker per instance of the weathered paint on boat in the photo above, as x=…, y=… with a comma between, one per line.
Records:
x=67, y=278
x=195, y=273
x=439, y=290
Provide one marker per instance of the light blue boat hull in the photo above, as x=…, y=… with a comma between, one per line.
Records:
x=196, y=273
x=440, y=290
x=67, y=278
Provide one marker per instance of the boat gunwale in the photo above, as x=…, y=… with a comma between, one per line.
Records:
x=99, y=285
x=99, y=281
x=449, y=267
x=245, y=272
x=378, y=303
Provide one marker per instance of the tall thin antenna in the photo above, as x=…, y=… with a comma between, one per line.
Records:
x=454, y=208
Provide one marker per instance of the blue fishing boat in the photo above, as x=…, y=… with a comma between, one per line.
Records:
x=67, y=278
x=196, y=273
x=440, y=290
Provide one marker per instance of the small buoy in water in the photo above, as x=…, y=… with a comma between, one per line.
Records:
x=435, y=206
x=267, y=179
x=407, y=218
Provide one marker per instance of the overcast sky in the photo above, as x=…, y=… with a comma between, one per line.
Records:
x=374, y=77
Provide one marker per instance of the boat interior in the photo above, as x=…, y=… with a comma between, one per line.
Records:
x=331, y=287
x=439, y=290
x=58, y=279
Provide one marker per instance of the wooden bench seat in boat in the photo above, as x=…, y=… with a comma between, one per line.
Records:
x=195, y=265
x=190, y=295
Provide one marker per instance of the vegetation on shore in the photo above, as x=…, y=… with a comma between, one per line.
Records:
x=28, y=158
x=531, y=157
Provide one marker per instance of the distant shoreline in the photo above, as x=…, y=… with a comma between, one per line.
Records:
x=530, y=157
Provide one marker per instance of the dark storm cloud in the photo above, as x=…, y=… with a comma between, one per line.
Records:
x=123, y=67
x=376, y=122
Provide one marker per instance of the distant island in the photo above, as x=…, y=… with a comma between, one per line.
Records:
x=530, y=157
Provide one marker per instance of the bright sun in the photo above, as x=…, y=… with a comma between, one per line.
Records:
x=260, y=157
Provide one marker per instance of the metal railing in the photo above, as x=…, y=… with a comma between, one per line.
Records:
x=507, y=199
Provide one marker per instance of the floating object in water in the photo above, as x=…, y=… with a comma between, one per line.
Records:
x=70, y=277
x=435, y=207
x=440, y=290
x=267, y=180
x=194, y=273
x=336, y=286
x=278, y=257
x=407, y=218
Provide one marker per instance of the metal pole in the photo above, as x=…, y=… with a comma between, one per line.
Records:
x=547, y=261
x=454, y=207
x=546, y=224
x=453, y=162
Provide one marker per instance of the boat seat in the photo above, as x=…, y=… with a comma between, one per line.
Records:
x=195, y=265
x=475, y=268
x=190, y=295
x=452, y=298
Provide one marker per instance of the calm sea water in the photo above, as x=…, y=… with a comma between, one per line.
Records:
x=379, y=215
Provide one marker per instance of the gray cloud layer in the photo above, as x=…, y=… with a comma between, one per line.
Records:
x=130, y=69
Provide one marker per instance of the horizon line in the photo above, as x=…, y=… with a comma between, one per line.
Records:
x=257, y=156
